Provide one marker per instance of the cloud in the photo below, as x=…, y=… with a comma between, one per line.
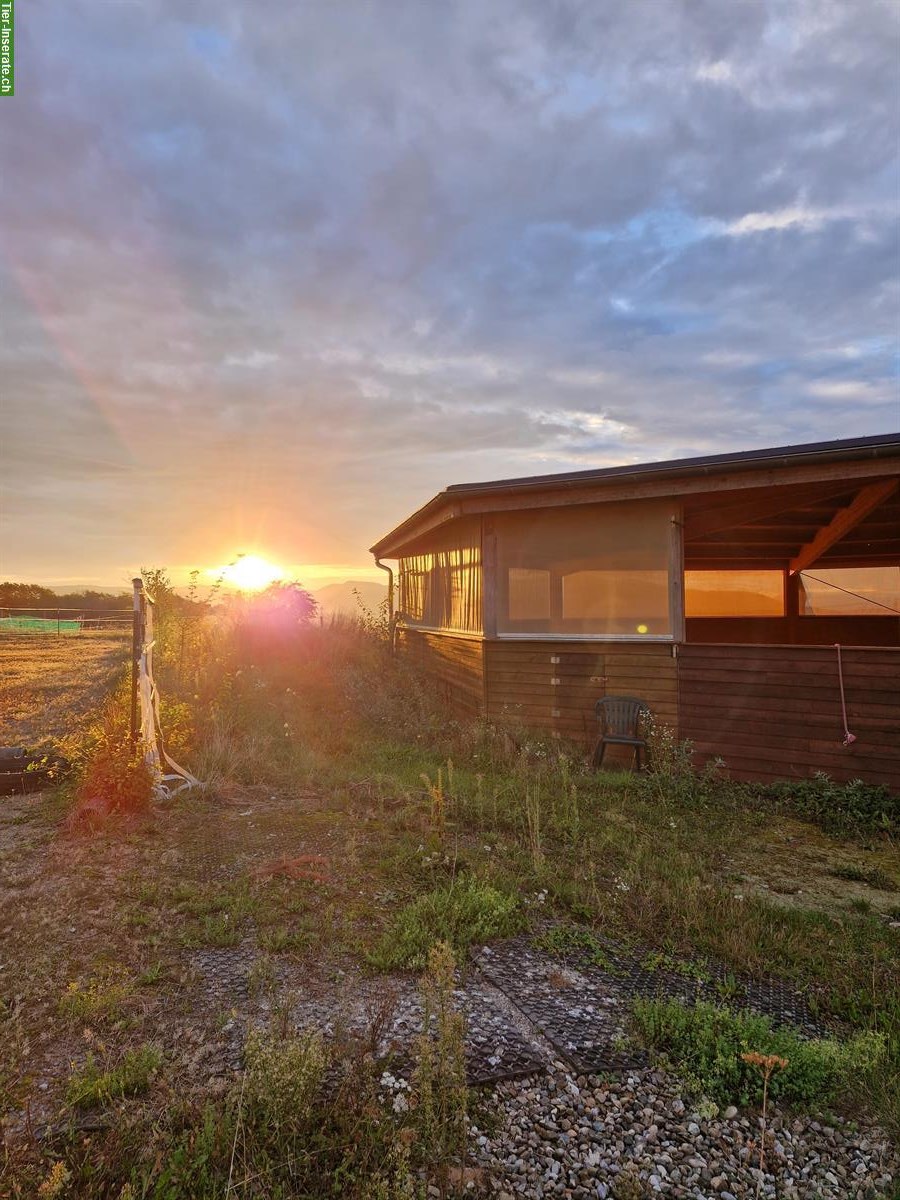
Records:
x=456, y=243
x=253, y=360
x=795, y=217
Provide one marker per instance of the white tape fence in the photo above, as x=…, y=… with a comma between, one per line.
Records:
x=169, y=777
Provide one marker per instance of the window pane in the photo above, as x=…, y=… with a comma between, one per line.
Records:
x=597, y=570
x=733, y=594
x=826, y=592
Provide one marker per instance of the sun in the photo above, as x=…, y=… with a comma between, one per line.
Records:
x=250, y=573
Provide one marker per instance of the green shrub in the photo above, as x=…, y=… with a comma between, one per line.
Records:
x=705, y=1043
x=466, y=911
x=854, y=807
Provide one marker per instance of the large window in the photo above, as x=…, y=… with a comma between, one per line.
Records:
x=591, y=571
x=440, y=588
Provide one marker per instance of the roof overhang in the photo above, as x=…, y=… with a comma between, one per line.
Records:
x=850, y=460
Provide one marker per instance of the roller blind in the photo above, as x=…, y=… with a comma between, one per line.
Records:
x=587, y=570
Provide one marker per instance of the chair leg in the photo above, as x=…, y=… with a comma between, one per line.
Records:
x=599, y=751
x=637, y=757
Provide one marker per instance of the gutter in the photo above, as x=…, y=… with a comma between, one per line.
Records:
x=392, y=624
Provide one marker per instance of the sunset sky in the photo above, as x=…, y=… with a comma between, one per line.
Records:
x=271, y=275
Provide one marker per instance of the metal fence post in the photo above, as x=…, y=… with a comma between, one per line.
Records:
x=137, y=639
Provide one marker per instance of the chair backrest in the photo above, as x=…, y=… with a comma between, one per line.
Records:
x=620, y=715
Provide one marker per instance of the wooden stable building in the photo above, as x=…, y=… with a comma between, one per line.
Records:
x=735, y=594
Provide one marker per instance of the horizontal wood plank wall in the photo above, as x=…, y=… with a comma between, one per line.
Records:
x=809, y=631
x=774, y=712
x=455, y=664
x=554, y=686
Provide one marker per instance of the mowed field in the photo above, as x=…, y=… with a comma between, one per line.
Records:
x=49, y=684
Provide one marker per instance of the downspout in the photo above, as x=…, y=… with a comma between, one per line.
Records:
x=392, y=624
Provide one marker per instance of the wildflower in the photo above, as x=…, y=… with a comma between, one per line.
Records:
x=55, y=1183
x=767, y=1062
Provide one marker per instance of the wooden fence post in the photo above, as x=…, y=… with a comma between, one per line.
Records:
x=137, y=640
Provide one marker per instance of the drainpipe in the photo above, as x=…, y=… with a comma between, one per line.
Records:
x=391, y=620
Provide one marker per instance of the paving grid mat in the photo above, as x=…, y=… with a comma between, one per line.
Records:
x=519, y=998
x=581, y=1005
x=498, y=1041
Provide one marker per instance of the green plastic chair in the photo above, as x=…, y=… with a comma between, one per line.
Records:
x=620, y=718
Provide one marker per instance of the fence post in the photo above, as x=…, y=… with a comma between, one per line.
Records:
x=137, y=639
x=58, y=634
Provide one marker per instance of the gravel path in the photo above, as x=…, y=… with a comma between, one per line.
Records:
x=560, y=1135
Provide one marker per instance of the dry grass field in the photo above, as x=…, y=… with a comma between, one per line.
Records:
x=49, y=684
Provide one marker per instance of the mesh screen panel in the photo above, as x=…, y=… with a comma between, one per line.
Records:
x=733, y=594
x=441, y=588
x=598, y=570
x=820, y=594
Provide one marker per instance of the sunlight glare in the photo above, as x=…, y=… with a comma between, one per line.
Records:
x=250, y=573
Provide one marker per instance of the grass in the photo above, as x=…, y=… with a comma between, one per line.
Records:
x=706, y=1045
x=873, y=877
x=102, y=996
x=466, y=911
x=566, y=940
x=412, y=829
x=49, y=685
x=91, y=1086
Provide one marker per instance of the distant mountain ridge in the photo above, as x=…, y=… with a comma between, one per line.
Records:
x=340, y=598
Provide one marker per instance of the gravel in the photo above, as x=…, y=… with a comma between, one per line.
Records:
x=585, y=1136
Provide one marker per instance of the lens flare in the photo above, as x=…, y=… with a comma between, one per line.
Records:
x=250, y=573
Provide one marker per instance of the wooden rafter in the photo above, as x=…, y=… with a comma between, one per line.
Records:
x=707, y=522
x=866, y=500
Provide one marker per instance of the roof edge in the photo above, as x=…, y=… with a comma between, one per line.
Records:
x=874, y=446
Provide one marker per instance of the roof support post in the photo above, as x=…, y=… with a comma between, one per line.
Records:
x=488, y=577
x=676, y=575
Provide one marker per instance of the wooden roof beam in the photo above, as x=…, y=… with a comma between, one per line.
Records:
x=866, y=500
x=705, y=522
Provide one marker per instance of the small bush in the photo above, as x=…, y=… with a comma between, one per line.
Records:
x=854, y=807
x=705, y=1043
x=283, y=1076
x=131, y=1074
x=113, y=776
x=465, y=912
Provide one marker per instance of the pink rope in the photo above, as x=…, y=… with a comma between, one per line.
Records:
x=849, y=738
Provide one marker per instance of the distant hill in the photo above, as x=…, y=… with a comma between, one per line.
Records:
x=339, y=597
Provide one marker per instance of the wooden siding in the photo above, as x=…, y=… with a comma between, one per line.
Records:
x=774, y=712
x=810, y=631
x=454, y=663
x=554, y=685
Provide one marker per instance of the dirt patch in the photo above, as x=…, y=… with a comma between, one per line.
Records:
x=796, y=865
